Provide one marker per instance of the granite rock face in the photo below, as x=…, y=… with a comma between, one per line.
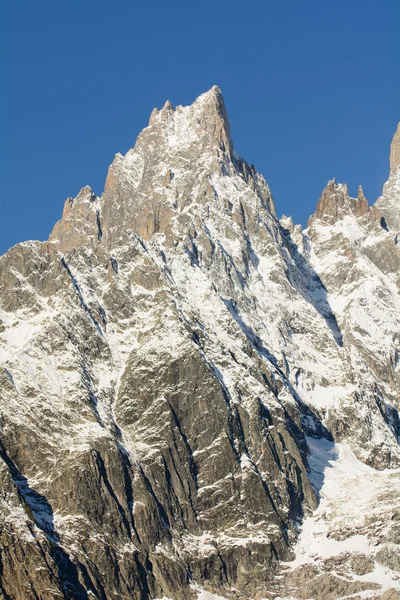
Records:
x=388, y=203
x=167, y=358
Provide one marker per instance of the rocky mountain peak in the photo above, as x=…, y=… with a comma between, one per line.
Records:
x=335, y=203
x=395, y=151
x=167, y=106
x=178, y=151
x=205, y=118
x=171, y=168
x=80, y=221
x=86, y=194
x=388, y=203
x=360, y=193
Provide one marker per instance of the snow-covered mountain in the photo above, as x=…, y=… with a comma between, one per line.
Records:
x=199, y=400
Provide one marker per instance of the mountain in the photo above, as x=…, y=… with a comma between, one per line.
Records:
x=200, y=400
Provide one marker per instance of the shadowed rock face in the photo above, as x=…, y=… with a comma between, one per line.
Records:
x=163, y=356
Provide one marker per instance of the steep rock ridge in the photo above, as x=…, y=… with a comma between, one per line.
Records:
x=388, y=203
x=168, y=168
x=80, y=222
x=359, y=263
x=163, y=356
x=335, y=203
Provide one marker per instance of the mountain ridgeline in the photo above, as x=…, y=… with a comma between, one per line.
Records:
x=170, y=358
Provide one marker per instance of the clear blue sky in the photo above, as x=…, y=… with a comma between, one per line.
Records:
x=312, y=89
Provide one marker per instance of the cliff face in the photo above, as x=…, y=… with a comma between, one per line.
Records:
x=388, y=203
x=168, y=359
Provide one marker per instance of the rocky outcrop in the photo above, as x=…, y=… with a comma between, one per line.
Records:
x=166, y=358
x=80, y=224
x=388, y=203
x=354, y=254
x=335, y=203
x=395, y=152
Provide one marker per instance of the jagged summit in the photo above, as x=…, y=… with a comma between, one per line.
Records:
x=360, y=194
x=389, y=202
x=335, y=203
x=207, y=116
x=170, y=173
x=213, y=97
x=200, y=134
x=80, y=221
x=395, y=151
